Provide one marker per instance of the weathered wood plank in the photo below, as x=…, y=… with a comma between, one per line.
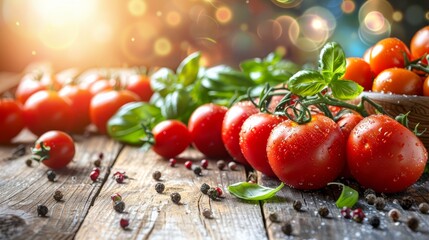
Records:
x=22, y=188
x=155, y=216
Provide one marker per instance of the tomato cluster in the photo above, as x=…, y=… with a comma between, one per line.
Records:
x=390, y=66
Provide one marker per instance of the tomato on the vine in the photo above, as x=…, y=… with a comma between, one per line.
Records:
x=171, y=138
x=47, y=110
x=388, y=53
x=359, y=71
x=384, y=155
x=11, y=119
x=30, y=84
x=399, y=81
x=80, y=100
x=105, y=104
x=140, y=85
x=205, y=126
x=419, y=45
x=55, y=149
x=307, y=156
x=231, y=126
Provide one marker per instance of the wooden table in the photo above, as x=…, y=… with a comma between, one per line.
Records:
x=86, y=211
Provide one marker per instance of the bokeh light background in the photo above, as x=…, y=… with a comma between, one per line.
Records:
x=121, y=33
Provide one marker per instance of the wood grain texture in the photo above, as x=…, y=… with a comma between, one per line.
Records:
x=155, y=216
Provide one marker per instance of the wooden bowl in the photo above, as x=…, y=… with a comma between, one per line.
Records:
x=395, y=104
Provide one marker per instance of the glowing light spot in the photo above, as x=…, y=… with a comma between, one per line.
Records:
x=33, y=53
x=102, y=33
x=208, y=39
x=374, y=21
x=173, y=18
x=162, y=46
x=158, y=13
x=287, y=3
x=244, y=27
x=318, y=23
x=50, y=36
x=282, y=50
x=133, y=39
x=137, y=7
x=223, y=15
x=18, y=24
x=427, y=15
x=381, y=6
x=348, y=6
x=397, y=16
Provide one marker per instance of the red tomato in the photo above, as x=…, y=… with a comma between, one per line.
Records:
x=231, y=126
x=100, y=86
x=29, y=85
x=105, y=104
x=140, y=85
x=359, y=71
x=254, y=137
x=399, y=81
x=11, y=119
x=46, y=110
x=388, y=53
x=367, y=54
x=171, y=138
x=205, y=126
x=419, y=45
x=426, y=86
x=58, y=150
x=307, y=156
x=79, y=99
x=384, y=155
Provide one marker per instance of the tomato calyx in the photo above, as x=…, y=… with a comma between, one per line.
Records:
x=40, y=154
x=418, y=64
x=403, y=119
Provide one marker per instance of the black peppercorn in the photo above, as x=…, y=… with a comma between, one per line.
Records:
x=58, y=195
x=323, y=211
x=287, y=228
x=29, y=162
x=51, y=175
x=97, y=163
x=374, y=221
x=204, y=188
x=368, y=191
x=232, y=166
x=274, y=217
x=406, y=202
x=175, y=197
x=413, y=223
x=42, y=210
x=119, y=206
x=213, y=193
x=197, y=170
x=379, y=203
x=159, y=187
x=221, y=164
x=394, y=215
x=207, y=213
x=424, y=207
x=297, y=205
x=156, y=175
x=370, y=198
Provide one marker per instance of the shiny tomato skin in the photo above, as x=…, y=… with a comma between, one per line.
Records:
x=419, y=45
x=205, y=126
x=359, y=71
x=140, y=85
x=231, y=126
x=307, y=156
x=398, y=81
x=171, y=138
x=27, y=87
x=384, y=155
x=254, y=135
x=100, y=86
x=426, y=86
x=105, y=104
x=62, y=148
x=80, y=100
x=11, y=119
x=47, y=110
x=388, y=53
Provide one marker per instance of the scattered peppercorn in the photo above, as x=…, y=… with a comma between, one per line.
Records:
x=159, y=187
x=58, y=195
x=219, y=191
x=188, y=164
x=175, y=197
x=297, y=205
x=172, y=162
x=221, y=164
x=370, y=198
x=124, y=223
x=287, y=228
x=204, y=188
x=413, y=223
x=116, y=197
x=274, y=217
x=96, y=169
x=323, y=211
x=252, y=178
x=358, y=215
x=374, y=221
x=197, y=170
x=101, y=155
x=368, y=191
x=119, y=177
x=42, y=210
x=207, y=213
x=156, y=175
x=97, y=163
x=406, y=202
x=424, y=207
x=394, y=215
x=94, y=175
x=346, y=212
x=119, y=206
x=51, y=175
x=212, y=193
x=232, y=166
x=379, y=203
x=204, y=163
x=29, y=162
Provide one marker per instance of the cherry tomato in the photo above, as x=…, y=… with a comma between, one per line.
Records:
x=231, y=126
x=384, y=155
x=419, y=45
x=105, y=104
x=307, y=156
x=140, y=85
x=29, y=85
x=359, y=71
x=254, y=137
x=79, y=99
x=171, y=138
x=399, y=81
x=205, y=126
x=367, y=55
x=47, y=110
x=426, y=86
x=57, y=151
x=11, y=119
x=100, y=86
x=388, y=53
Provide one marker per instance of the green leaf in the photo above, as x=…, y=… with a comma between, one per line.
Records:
x=188, y=69
x=348, y=196
x=306, y=83
x=125, y=125
x=163, y=81
x=345, y=89
x=332, y=61
x=178, y=105
x=252, y=191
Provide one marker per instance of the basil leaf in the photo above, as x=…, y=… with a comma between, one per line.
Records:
x=188, y=69
x=332, y=63
x=252, y=191
x=178, y=105
x=306, y=83
x=348, y=196
x=163, y=81
x=125, y=125
x=345, y=89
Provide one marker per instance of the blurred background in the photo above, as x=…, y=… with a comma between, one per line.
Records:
x=125, y=33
